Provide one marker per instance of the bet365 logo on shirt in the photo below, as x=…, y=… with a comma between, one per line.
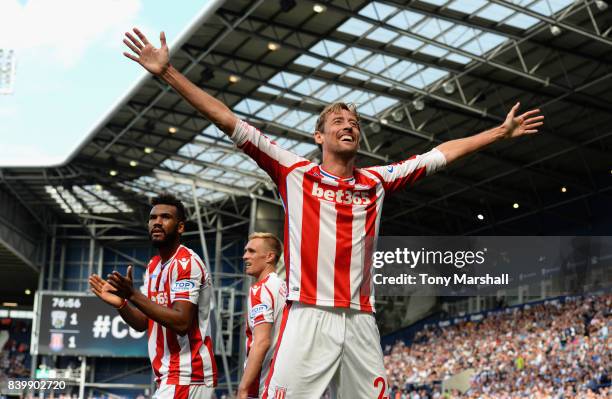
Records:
x=160, y=298
x=340, y=196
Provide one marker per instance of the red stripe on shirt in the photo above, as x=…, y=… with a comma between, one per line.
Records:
x=278, y=344
x=183, y=272
x=265, y=161
x=159, y=338
x=174, y=367
x=181, y=392
x=270, y=293
x=195, y=343
x=365, y=291
x=282, y=191
x=342, y=263
x=309, y=251
x=213, y=363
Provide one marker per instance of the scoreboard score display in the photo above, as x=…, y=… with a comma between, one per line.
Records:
x=77, y=324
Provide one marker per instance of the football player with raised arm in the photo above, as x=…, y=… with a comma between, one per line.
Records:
x=328, y=335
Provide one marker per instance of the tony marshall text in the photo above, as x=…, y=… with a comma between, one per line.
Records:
x=455, y=279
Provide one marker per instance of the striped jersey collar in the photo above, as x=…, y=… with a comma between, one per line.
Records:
x=342, y=179
x=166, y=263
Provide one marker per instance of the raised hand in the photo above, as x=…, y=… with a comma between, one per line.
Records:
x=104, y=291
x=154, y=60
x=527, y=123
x=123, y=285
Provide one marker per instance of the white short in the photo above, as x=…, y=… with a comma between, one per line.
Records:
x=199, y=391
x=320, y=347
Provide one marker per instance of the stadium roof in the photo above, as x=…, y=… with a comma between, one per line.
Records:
x=420, y=71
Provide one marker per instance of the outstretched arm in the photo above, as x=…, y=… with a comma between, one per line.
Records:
x=157, y=61
x=513, y=126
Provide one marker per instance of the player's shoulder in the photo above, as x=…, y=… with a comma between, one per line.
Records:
x=369, y=176
x=274, y=283
x=153, y=262
x=184, y=253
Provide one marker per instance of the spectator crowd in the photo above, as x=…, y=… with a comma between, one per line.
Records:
x=552, y=350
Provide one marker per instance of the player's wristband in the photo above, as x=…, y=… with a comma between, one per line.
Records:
x=125, y=301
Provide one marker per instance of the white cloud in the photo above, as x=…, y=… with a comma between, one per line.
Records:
x=64, y=29
x=6, y=111
x=26, y=155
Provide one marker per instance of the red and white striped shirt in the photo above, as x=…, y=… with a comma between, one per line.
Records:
x=265, y=305
x=331, y=224
x=177, y=360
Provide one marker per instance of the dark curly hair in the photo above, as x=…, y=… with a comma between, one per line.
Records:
x=169, y=199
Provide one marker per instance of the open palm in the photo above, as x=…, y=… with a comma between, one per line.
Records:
x=154, y=60
x=104, y=291
x=527, y=123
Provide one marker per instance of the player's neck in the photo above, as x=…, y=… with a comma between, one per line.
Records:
x=338, y=165
x=167, y=252
x=265, y=273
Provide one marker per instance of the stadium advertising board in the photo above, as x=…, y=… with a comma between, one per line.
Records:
x=72, y=323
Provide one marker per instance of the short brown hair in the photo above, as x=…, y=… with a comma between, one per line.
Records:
x=333, y=108
x=273, y=243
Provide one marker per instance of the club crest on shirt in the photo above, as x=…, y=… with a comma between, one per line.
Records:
x=182, y=286
x=257, y=310
x=184, y=262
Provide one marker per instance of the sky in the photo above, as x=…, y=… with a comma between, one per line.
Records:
x=70, y=70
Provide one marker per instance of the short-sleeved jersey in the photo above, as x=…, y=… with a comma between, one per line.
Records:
x=331, y=224
x=266, y=302
x=189, y=359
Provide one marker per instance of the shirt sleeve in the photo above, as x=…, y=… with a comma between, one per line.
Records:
x=274, y=160
x=398, y=175
x=188, y=277
x=262, y=306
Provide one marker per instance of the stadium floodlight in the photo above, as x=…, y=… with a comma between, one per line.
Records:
x=113, y=172
x=480, y=216
x=234, y=79
x=133, y=163
x=273, y=46
x=319, y=8
x=563, y=189
x=515, y=205
x=555, y=30
x=398, y=115
x=375, y=127
x=7, y=70
x=27, y=291
x=601, y=5
x=449, y=87
x=419, y=104
x=172, y=130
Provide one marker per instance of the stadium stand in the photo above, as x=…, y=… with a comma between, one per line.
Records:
x=551, y=349
x=422, y=72
x=15, y=341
